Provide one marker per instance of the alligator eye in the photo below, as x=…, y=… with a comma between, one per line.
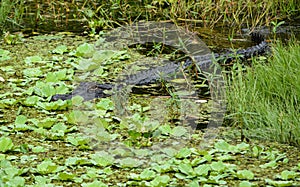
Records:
x=58, y=97
x=54, y=98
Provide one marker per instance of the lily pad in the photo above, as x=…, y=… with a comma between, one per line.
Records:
x=6, y=144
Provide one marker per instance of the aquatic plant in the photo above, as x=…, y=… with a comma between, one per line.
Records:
x=265, y=99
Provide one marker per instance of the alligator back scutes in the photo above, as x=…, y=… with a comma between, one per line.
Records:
x=91, y=90
x=249, y=52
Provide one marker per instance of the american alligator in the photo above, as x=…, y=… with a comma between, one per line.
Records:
x=91, y=90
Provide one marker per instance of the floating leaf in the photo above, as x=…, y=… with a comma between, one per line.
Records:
x=286, y=175
x=105, y=104
x=61, y=49
x=100, y=72
x=71, y=161
x=218, y=166
x=77, y=116
x=279, y=183
x=245, y=184
x=130, y=162
x=147, y=174
x=65, y=176
x=245, y=174
x=10, y=101
x=46, y=123
x=102, y=55
x=186, y=169
x=57, y=105
x=194, y=183
x=243, y=146
x=102, y=158
x=44, y=89
x=160, y=181
x=5, y=144
x=43, y=181
x=47, y=167
x=38, y=149
x=33, y=59
x=165, y=129
x=87, y=65
x=169, y=151
x=202, y=170
x=32, y=72
x=225, y=147
x=16, y=181
x=20, y=119
x=271, y=164
x=179, y=131
x=95, y=183
x=4, y=55
x=31, y=101
x=256, y=150
x=85, y=50
x=59, y=128
x=57, y=76
x=183, y=153
x=77, y=140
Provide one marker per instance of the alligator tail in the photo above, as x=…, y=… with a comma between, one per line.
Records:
x=260, y=48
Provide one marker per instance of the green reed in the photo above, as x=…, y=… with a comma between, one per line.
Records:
x=264, y=100
x=11, y=12
x=114, y=12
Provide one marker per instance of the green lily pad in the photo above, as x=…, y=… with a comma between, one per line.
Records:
x=225, y=147
x=160, y=181
x=85, y=50
x=279, y=183
x=61, y=49
x=245, y=174
x=202, y=170
x=105, y=104
x=218, y=166
x=186, y=169
x=245, y=184
x=286, y=175
x=31, y=101
x=130, y=162
x=147, y=174
x=102, y=158
x=95, y=183
x=271, y=164
x=4, y=55
x=33, y=72
x=183, y=153
x=33, y=59
x=46, y=123
x=179, y=131
x=6, y=144
x=65, y=176
x=47, y=167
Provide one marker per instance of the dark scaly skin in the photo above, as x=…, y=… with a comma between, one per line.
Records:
x=92, y=90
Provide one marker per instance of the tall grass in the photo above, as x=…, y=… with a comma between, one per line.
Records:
x=11, y=11
x=110, y=13
x=265, y=101
x=208, y=13
x=5, y=8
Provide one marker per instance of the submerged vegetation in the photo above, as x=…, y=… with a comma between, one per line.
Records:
x=86, y=143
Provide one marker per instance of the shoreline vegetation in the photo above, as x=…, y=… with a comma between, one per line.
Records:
x=107, y=14
x=264, y=99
